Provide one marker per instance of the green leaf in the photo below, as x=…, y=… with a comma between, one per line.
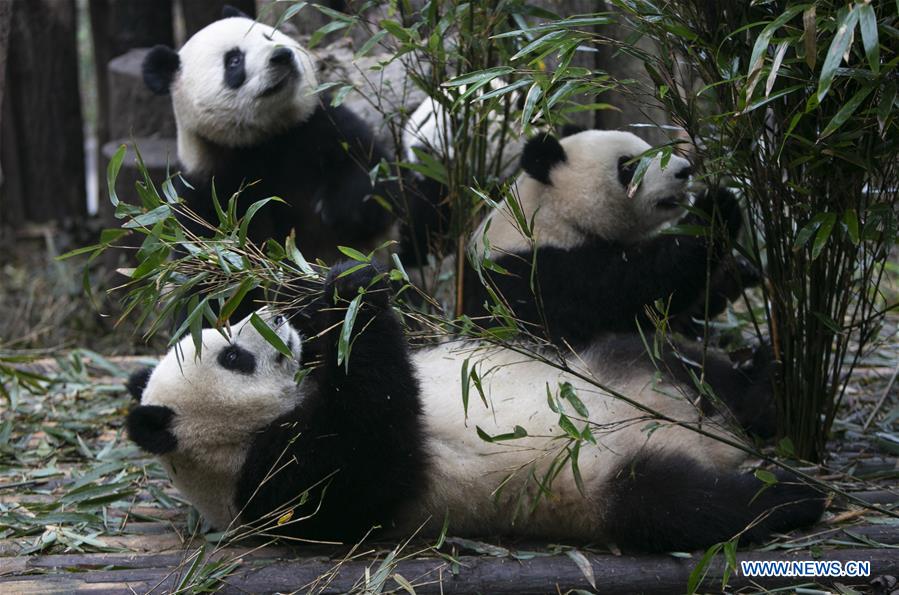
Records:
x=341, y=94
x=354, y=254
x=764, y=39
x=269, y=334
x=785, y=447
x=248, y=216
x=399, y=267
x=296, y=256
x=465, y=386
x=850, y=221
x=805, y=234
x=112, y=173
x=568, y=393
x=396, y=30
x=823, y=234
x=235, y=300
x=290, y=12
x=480, y=76
x=149, y=218
x=847, y=110
x=765, y=477
x=344, y=343
x=530, y=104
x=331, y=27
x=515, y=434
x=567, y=425
x=372, y=41
x=867, y=22
x=838, y=47
x=701, y=569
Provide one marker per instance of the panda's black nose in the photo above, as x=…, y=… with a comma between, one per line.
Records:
x=684, y=173
x=281, y=57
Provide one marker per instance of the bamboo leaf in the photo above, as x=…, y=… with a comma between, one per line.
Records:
x=823, y=234
x=775, y=66
x=850, y=221
x=808, y=36
x=465, y=386
x=344, y=343
x=481, y=76
x=248, y=216
x=867, y=23
x=370, y=43
x=846, y=111
x=701, y=569
x=354, y=254
x=584, y=565
x=296, y=256
x=235, y=300
x=756, y=61
x=838, y=46
x=149, y=218
x=112, y=172
x=515, y=434
x=269, y=334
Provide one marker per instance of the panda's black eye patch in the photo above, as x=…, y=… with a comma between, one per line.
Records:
x=626, y=170
x=235, y=70
x=237, y=359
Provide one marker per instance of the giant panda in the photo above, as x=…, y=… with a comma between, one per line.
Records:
x=382, y=440
x=600, y=257
x=249, y=118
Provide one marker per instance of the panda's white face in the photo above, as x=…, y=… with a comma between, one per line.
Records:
x=237, y=386
x=583, y=193
x=200, y=414
x=241, y=82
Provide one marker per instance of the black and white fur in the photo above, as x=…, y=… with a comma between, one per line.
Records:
x=248, y=117
x=384, y=440
x=600, y=259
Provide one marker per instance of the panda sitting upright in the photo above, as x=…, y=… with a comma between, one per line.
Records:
x=600, y=259
x=384, y=440
x=248, y=118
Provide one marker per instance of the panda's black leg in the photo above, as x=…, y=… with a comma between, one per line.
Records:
x=747, y=394
x=664, y=502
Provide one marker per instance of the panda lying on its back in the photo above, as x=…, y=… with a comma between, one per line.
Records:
x=600, y=259
x=384, y=440
x=246, y=113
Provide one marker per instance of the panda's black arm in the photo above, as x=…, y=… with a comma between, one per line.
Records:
x=348, y=203
x=355, y=441
x=600, y=286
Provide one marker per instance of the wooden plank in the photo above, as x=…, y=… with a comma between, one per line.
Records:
x=614, y=574
x=42, y=128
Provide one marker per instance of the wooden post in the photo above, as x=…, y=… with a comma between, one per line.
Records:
x=42, y=148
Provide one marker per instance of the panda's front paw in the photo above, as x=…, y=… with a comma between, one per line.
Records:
x=723, y=202
x=348, y=279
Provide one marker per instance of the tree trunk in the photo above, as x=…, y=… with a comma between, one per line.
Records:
x=42, y=140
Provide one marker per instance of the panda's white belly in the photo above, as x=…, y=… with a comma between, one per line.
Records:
x=492, y=487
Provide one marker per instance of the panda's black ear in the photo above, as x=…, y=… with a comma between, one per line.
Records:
x=229, y=11
x=149, y=426
x=569, y=129
x=540, y=155
x=137, y=382
x=159, y=68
